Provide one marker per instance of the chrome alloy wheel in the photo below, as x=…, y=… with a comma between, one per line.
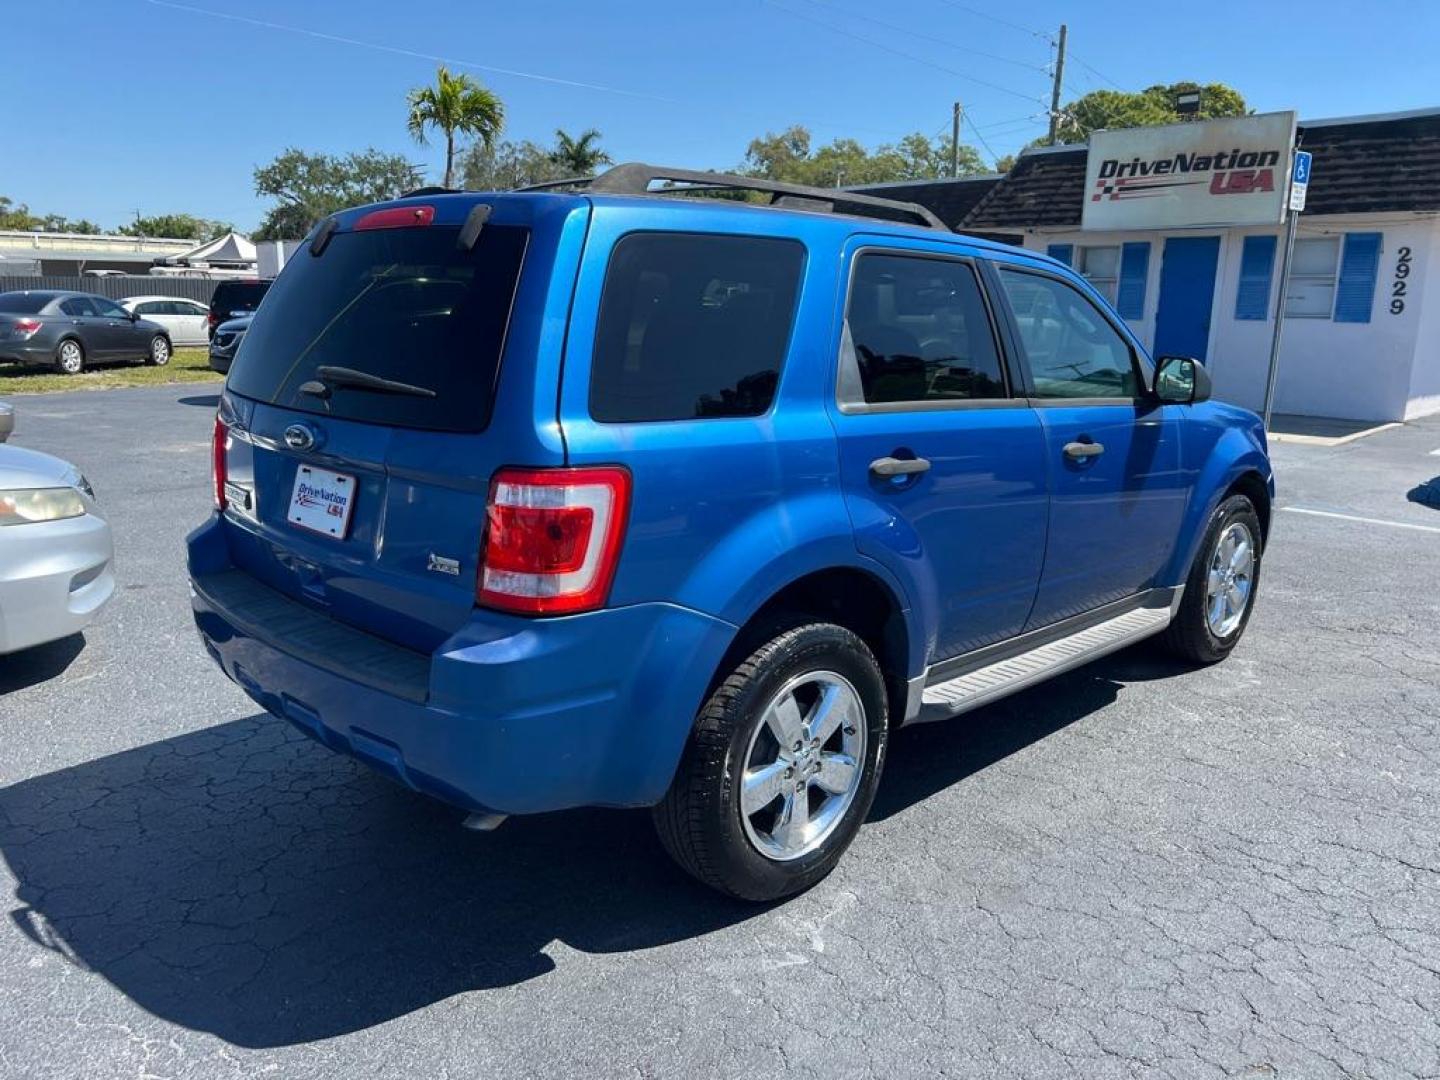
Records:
x=71, y=357
x=159, y=351
x=1230, y=579
x=803, y=765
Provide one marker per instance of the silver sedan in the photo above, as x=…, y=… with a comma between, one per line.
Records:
x=55, y=550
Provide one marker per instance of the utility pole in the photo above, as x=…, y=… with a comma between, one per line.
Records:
x=958, y=111
x=1055, y=88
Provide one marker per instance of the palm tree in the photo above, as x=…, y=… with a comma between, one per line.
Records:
x=456, y=103
x=580, y=156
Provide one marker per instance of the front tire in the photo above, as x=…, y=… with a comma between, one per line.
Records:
x=781, y=767
x=69, y=357
x=1220, y=591
x=159, y=354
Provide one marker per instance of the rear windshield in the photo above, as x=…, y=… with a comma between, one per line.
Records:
x=237, y=296
x=407, y=305
x=24, y=303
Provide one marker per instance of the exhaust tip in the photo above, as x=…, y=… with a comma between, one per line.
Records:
x=484, y=822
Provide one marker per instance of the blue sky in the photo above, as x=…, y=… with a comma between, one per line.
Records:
x=157, y=106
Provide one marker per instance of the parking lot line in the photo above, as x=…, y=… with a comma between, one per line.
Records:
x=1362, y=520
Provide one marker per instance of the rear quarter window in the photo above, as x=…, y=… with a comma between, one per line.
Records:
x=693, y=326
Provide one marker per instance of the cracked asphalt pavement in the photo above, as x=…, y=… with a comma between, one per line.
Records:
x=1136, y=870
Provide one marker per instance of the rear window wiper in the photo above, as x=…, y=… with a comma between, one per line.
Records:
x=332, y=378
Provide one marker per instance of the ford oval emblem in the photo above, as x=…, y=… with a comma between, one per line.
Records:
x=299, y=437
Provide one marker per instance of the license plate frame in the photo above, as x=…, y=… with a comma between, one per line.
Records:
x=322, y=501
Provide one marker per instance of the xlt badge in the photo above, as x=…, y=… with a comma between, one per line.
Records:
x=442, y=565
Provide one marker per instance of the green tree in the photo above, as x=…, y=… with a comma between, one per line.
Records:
x=1154, y=105
x=60, y=223
x=579, y=156
x=13, y=216
x=455, y=104
x=307, y=187
x=790, y=156
x=183, y=226
x=504, y=166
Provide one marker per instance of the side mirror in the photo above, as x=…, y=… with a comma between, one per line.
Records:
x=133, y=316
x=1181, y=380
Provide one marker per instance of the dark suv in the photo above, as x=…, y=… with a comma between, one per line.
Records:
x=614, y=497
x=234, y=298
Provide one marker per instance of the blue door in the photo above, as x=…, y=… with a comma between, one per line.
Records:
x=1112, y=453
x=1187, y=293
x=944, y=471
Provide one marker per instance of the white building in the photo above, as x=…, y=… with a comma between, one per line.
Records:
x=1361, y=338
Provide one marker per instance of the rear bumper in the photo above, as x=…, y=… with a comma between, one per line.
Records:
x=221, y=362
x=54, y=577
x=511, y=715
x=15, y=352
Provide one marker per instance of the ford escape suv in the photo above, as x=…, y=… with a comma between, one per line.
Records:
x=614, y=496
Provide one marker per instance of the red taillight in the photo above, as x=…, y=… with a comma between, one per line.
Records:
x=26, y=327
x=214, y=318
x=217, y=461
x=396, y=217
x=552, y=539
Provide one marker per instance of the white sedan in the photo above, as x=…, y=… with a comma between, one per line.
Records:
x=55, y=550
x=186, y=320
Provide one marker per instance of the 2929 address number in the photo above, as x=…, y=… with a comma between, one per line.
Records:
x=1398, y=286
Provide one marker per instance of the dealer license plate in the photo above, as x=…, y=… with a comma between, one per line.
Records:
x=322, y=501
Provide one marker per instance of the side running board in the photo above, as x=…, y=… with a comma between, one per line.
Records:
x=982, y=685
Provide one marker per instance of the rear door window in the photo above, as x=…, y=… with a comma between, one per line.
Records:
x=406, y=305
x=916, y=330
x=693, y=325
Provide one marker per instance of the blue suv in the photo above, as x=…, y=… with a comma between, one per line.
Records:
x=619, y=496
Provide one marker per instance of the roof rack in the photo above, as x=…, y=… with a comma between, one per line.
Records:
x=635, y=178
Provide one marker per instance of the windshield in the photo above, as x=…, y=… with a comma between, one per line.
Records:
x=407, y=305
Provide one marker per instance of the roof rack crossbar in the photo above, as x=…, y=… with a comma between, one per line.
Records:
x=635, y=178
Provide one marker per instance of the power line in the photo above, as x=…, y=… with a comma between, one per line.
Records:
x=994, y=157
x=930, y=37
x=396, y=50
x=1102, y=77
x=898, y=52
x=997, y=19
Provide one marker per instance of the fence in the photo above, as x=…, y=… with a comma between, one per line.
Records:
x=117, y=288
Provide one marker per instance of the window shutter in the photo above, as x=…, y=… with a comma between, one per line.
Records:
x=1257, y=262
x=1134, y=267
x=1359, y=264
x=1063, y=252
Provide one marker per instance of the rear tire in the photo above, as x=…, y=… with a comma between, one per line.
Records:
x=160, y=350
x=70, y=357
x=759, y=818
x=1220, y=591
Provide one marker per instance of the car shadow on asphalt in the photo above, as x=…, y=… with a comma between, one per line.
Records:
x=244, y=881
x=206, y=401
x=927, y=758
x=35, y=665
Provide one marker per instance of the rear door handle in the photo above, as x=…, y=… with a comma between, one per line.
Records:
x=1079, y=451
x=890, y=466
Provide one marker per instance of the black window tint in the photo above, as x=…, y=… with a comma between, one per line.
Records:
x=24, y=303
x=693, y=326
x=916, y=329
x=238, y=296
x=79, y=306
x=108, y=308
x=1072, y=349
x=409, y=305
